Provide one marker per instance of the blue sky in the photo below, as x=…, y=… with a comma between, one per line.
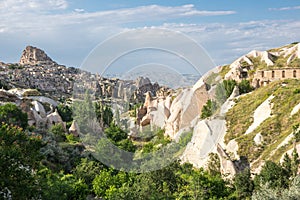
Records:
x=69, y=29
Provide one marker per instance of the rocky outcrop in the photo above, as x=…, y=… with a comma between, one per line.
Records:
x=54, y=118
x=227, y=166
x=293, y=53
x=35, y=56
x=258, y=139
x=33, y=106
x=186, y=107
x=264, y=56
x=239, y=68
x=74, y=129
x=295, y=109
x=154, y=111
x=6, y=96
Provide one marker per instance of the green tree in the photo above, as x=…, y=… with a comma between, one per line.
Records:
x=243, y=184
x=208, y=109
x=202, y=185
x=296, y=132
x=104, y=113
x=287, y=165
x=265, y=192
x=11, y=114
x=87, y=170
x=115, y=133
x=19, y=160
x=245, y=87
x=59, y=132
x=214, y=165
x=224, y=90
x=126, y=145
x=65, y=112
x=61, y=186
x=295, y=162
x=272, y=174
x=108, y=182
x=84, y=114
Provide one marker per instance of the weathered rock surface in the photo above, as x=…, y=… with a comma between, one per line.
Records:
x=186, y=107
x=258, y=139
x=35, y=56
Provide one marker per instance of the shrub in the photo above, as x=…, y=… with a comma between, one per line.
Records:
x=224, y=90
x=208, y=109
x=11, y=114
x=245, y=87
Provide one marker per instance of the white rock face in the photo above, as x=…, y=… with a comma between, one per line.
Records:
x=229, y=103
x=295, y=109
x=262, y=112
x=54, y=118
x=206, y=135
x=258, y=139
x=185, y=108
x=235, y=68
x=159, y=116
x=233, y=147
x=39, y=108
x=265, y=56
x=32, y=56
x=227, y=166
x=294, y=50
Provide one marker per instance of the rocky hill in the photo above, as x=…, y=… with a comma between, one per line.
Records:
x=247, y=65
x=36, y=70
x=35, y=56
x=243, y=128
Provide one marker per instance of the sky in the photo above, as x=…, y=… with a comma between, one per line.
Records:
x=68, y=30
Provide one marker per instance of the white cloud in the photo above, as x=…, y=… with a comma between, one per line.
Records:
x=227, y=41
x=69, y=35
x=35, y=14
x=79, y=10
x=23, y=6
x=285, y=8
x=207, y=13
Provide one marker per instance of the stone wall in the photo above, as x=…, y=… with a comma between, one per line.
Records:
x=264, y=77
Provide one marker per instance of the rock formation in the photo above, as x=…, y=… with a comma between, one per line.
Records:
x=54, y=118
x=35, y=56
x=241, y=67
x=74, y=129
x=186, y=107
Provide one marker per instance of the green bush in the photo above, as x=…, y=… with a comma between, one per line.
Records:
x=208, y=109
x=12, y=115
x=245, y=87
x=65, y=112
x=115, y=133
x=59, y=132
x=224, y=90
x=72, y=139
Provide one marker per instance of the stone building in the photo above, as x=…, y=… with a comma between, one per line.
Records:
x=264, y=77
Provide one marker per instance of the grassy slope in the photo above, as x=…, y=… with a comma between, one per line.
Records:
x=274, y=130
